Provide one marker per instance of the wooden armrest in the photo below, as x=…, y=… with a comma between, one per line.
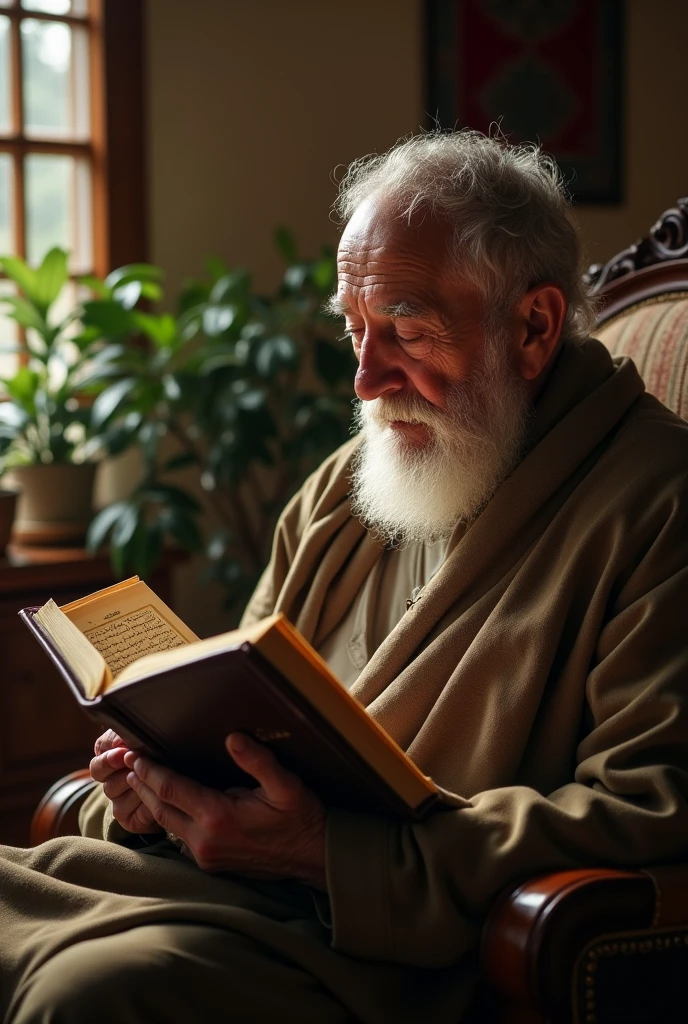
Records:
x=58, y=812
x=535, y=933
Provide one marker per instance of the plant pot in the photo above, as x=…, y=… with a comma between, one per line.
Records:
x=8, y=505
x=55, y=502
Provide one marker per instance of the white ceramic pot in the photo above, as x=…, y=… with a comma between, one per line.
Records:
x=55, y=502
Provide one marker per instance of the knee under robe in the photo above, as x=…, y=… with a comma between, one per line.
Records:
x=94, y=931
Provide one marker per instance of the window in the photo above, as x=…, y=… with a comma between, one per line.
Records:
x=71, y=134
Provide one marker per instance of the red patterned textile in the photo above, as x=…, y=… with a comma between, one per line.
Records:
x=655, y=335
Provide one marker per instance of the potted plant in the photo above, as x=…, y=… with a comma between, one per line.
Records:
x=48, y=442
x=250, y=391
x=242, y=393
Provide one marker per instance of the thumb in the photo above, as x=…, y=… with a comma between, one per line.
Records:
x=279, y=785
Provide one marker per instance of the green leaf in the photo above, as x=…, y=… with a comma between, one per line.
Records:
x=94, y=284
x=286, y=244
x=124, y=528
x=118, y=438
x=161, y=329
x=171, y=388
x=117, y=561
x=133, y=272
x=180, y=461
x=295, y=277
x=110, y=400
x=114, y=442
x=182, y=527
x=102, y=524
x=111, y=319
x=251, y=399
x=25, y=313
x=193, y=294
x=218, y=319
x=234, y=286
x=169, y=494
x=333, y=364
x=151, y=290
x=216, y=267
x=23, y=387
x=325, y=275
x=274, y=354
x=149, y=441
x=127, y=295
x=50, y=278
x=145, y=548
x=12, y=416
x=21, y=273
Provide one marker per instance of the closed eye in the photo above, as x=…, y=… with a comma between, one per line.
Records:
x=410, y=341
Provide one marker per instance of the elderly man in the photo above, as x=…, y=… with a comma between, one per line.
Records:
x=496, y=566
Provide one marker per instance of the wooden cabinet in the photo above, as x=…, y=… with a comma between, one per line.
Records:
x=43, y=732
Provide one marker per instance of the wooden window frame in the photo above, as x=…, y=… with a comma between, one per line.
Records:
x=115, y=148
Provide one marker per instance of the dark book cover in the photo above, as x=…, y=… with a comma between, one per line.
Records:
x=182, y=715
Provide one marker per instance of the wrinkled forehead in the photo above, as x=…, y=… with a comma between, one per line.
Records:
x=377, y=232
x=384, y=256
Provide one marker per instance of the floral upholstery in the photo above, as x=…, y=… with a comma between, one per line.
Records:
x=654, y=333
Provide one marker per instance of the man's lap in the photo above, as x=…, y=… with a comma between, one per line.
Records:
x=72, y=900
x=171, y=973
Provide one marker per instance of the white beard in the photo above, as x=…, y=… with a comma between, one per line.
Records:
x=408, y=493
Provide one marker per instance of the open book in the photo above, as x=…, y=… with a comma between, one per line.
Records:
x=134, y=665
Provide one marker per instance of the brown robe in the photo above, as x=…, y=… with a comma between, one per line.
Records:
x=542, y=677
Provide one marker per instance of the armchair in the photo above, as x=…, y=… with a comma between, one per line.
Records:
x=596, y=945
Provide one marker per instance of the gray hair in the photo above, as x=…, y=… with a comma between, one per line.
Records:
x=512, y=226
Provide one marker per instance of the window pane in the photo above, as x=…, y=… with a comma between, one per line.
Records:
x=55, y=79
x=58, y=208
x=5, y=79
x=9, y=335
x=77, y=8
x=48, y=6
x=6, y=239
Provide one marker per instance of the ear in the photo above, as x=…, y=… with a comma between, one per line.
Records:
x=540, y=316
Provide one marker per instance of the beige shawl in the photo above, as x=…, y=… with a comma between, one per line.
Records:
x=542, y=676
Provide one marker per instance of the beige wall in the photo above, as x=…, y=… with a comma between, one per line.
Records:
x=252, y=103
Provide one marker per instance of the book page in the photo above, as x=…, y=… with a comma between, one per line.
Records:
x=167, y=658
x=130, y=636
x=127, y=622
x=86, y=663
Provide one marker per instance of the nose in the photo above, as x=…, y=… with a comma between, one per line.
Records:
x=379, y=370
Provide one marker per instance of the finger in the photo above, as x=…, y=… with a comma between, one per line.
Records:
x=102, y=766
x=107, y=741
x=133, y=815
x=170, y=787
x=127, y=804
x=279, y=785
x=166, y=815
x=116, y=785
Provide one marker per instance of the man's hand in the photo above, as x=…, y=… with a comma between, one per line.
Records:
x=109, y=768
x=274, y=831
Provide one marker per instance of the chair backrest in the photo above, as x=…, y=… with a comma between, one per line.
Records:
x=643, y=306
